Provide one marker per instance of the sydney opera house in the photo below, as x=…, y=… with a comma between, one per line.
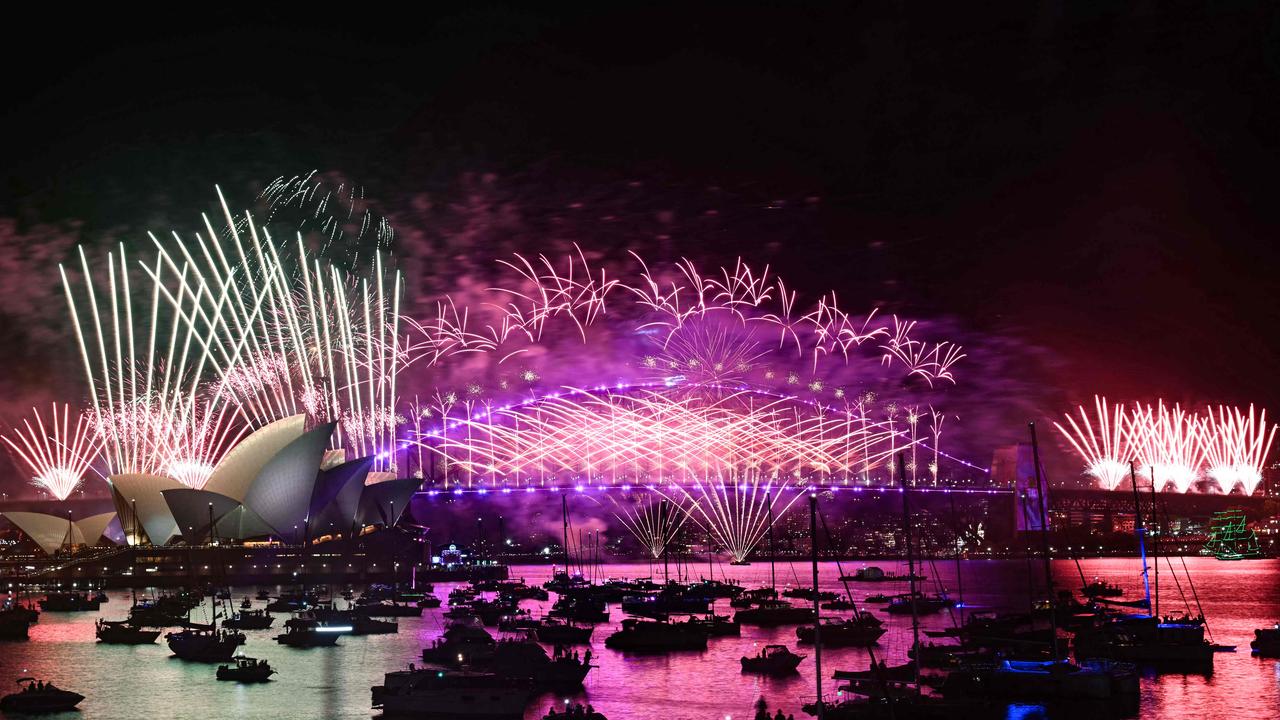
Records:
x=279, y=484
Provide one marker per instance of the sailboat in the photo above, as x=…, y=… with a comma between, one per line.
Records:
x=1148, y=639
x=771, y=612
x=891, y=692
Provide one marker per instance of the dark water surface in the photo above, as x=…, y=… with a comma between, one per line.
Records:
x=144, y=682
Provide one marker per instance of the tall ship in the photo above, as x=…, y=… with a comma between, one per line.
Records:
x=1231, y=538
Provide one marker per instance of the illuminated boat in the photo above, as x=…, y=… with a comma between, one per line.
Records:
x=875, y=574
x=463, y=643
x=309, y=633
x=250, y=620
x=1047, y=680
x=1101, y=588
x=924, y=604
x=1266, y=641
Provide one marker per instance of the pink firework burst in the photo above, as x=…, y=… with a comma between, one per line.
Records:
x=57, y=454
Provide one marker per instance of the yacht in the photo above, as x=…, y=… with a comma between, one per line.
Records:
x=69, y=602
x=771, y=613
x=559, y=632
x=120, y=632
x=250, y=620
x=1047, y=680
x=304, y=632
x=772, y=660
x=463, y=643
x=861, y=630
x=204, y=645
x=652, y=635
x=451, y=694
x=875, y=574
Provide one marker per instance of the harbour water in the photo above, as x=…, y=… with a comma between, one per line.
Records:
x=145, y=682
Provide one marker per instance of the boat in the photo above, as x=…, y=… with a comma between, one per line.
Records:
x=264, y=594
x=121, y=632
x=1266, y=641
x=879, y=598
x=69, y=602
x=881, y=672
x=429, y=601
x=1047, y=680
x=669, y=601
x=718, y=625
x=840, y=604
x=365, y=625
x=748, y=598
x=576, y=711
x=875, y=574
x=39, y=697
x=653, y=635
x=1100, y=588
x=862, y=630
x=246, y=603
x=250, y=620
x=388, y=609
x=246, y=669
x=771, y=613
x=302, y=632
x=522, y=659
x=924, y=604
x=23, y=610
x=14, y=624
x=463, y=643
x=558, y=632
x=204, y=645
x=1231, y=538
x=803, y=593
x=715, y=589
x=772, y=660
x=1148, y=640
x=450, y=694
x=581, y=609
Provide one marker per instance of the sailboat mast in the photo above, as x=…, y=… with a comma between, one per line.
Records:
x=817, y=620
x=773, y=577
x=1044, y=536
x=1155, y=546
x=564, y=520
x=911, y=569
x=1140, y=530
x=666, y=564
x=955, y=519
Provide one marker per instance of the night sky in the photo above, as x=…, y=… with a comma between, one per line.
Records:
x=1096, y=184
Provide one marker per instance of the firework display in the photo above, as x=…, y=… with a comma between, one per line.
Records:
x=57, y=454
x=1223, y=449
